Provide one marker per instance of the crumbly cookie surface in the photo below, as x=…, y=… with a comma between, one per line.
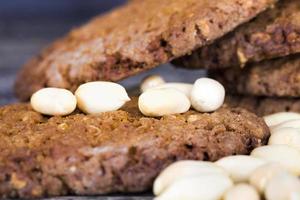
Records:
x=264, y=105
x=119, y=151
x=274, y=33
x=135, y=37
x=274, y=78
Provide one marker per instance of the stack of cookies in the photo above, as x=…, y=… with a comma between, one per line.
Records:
x=124, y=150
x=134, y=38
x=258, y=63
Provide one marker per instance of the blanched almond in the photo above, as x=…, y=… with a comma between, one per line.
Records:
x=242, y=191
x=287, y=156
x=53, y=101
x=278, y=118
x=160, y=102
x=206, y=186
x=240, y=167
x=287, y=136
x=287, y=124
x=186, y=88
x=100, y=96
x=263, y=174
x=151, y=82
x=283, y=186
x=183, y=169
x=207, y=95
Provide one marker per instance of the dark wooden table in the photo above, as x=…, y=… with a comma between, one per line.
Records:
x=27, y=26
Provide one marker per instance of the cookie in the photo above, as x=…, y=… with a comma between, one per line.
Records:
x=133, y=38
x=119, y=151
x=264, y=105
x=275, y=78
x=274, y=33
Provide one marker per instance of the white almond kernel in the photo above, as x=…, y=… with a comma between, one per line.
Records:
x=160, y=102
x=260, y=176
x=151, y=81
x=240, y=167
x=242, y=191
x=100, y=96
x=287, y=156
x=207, y=95
x=53, y=101
x=287, y=136
x=207, y=187
x=283, y=186
x=183, y=169
x=278, y=118
x=287, y=124
x=186, y=88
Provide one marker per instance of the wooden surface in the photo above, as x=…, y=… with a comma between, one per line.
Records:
x=27, y=26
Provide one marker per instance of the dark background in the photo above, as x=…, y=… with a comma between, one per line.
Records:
x=28, y=25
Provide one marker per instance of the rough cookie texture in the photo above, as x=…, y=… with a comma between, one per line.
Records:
x=264, y=105
x=274, y=33
x=133, y=38
x=119, y=151
x=275, y=78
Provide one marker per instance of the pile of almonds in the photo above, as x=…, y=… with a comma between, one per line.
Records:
x=158, y=98
x=91, y=98
x=270, y=172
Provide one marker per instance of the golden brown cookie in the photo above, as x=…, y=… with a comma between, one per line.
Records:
x=133, y=38
x=119, y=151
x=264, y=105
x=274, y=78
x=274, y=33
